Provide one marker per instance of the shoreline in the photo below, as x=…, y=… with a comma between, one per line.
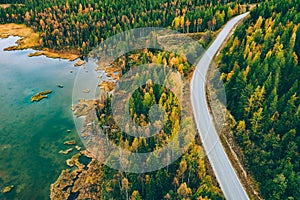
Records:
x=31, y=40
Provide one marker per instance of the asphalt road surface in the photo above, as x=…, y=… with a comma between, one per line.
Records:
x=225, y=174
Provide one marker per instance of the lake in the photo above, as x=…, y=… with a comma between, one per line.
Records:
x=32, y=134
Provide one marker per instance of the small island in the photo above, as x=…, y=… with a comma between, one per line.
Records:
x=41, y=95
x=70, y=142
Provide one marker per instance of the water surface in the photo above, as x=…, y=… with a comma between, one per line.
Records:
x=31, y=134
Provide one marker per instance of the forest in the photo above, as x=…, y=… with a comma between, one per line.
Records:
x=259, y=65
x=81, y=25
x=261, y=70
x=187, y=177
x=12, y=1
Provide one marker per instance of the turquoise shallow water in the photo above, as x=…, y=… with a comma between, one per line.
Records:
x=31, y=134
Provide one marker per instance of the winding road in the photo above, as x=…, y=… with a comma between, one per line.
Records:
x=224, y=171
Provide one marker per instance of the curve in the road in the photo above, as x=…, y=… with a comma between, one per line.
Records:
x=224, y=171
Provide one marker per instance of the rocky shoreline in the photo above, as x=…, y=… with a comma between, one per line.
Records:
x=77, y=183
x=84, y=182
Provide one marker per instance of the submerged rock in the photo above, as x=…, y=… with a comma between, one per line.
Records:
x=41, y=95
x=86, y=90
x=83, y=107
x=8, y=189
x=65, y=151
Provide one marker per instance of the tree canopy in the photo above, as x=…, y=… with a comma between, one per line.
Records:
x=261, y=70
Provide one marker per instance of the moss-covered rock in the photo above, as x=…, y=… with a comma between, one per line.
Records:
x=8, y=189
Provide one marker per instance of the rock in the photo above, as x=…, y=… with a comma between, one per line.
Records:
x=68, y=130
x=70, y=162
x=86, y=153
x=65, y=151
x=61, y=189
x=71, y=71
x=8, y=189
x=78, y=148
x=84, y=135
x=111, y=70
x=70, y=142
x=85, y=182
x=107, y=86
x=46, y=92
x=115, y=76
x=60, y=86
x=38, y=97
x=41, y=95
x=78, y=164
x=79, y=63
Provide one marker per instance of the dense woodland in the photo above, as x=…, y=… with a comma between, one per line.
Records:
x=12, y=1
x=83, y=24
x=261, y=69
x=187, y=178
x=184, y=179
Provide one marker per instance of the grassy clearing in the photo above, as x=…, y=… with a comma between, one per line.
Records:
x=6, y=5
x=29, y=38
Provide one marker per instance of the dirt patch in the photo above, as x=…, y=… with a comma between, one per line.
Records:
x=4, y=5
